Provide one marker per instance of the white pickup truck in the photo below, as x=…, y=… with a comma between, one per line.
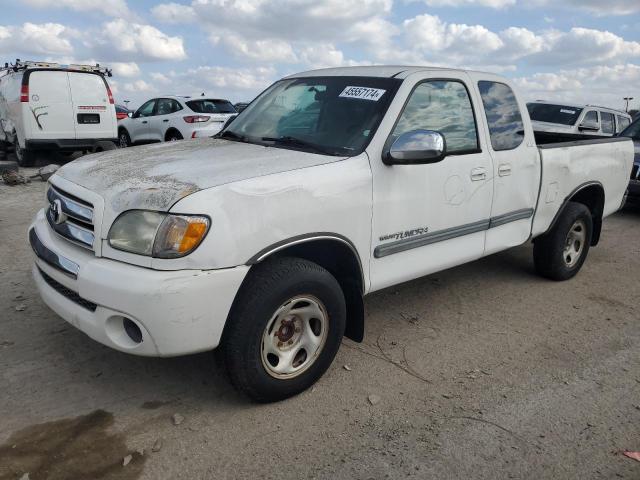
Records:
x=331, y=185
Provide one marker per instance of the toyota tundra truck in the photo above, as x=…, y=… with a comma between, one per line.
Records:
x=333, y=184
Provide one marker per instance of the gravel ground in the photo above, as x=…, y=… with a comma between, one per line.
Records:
x=482, y=371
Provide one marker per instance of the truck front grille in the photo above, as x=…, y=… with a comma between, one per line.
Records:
x=66, y=292
x=70, y=217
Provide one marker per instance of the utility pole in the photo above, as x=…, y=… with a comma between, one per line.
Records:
x=626, y=105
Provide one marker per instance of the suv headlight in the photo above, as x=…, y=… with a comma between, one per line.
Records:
x=156, y=234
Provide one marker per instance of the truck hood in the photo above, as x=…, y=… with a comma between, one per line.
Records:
x=155, y=177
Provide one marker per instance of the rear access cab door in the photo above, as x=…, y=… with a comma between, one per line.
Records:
x=93, y=114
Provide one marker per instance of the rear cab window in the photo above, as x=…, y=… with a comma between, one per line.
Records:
x=211, y=106
x=608, y=123
x=503, y=115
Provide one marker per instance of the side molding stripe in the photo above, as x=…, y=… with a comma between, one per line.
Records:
x=450, y=233
x=511, y=217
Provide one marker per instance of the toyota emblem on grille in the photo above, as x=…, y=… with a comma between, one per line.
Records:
x=57, y=215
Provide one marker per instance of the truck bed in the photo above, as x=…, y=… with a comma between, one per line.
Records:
x=570, y=166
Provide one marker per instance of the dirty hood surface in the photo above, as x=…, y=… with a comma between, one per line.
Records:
x=154, y=177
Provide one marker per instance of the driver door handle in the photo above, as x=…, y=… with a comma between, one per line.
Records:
x=144, y=121
x=165, y=120
x=478, y=174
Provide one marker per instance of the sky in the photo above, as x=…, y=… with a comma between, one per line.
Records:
x=584, y=51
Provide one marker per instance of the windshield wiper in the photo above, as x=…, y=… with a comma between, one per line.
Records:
x=297, y=142
x=232, y=136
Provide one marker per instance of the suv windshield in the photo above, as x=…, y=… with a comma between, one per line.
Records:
x=561, y=114
x=330, y=115
x=632, y=131
x=211, y=106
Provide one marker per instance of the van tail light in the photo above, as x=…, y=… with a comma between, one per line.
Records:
x=196, y=118
x=110, y=95
x=24, y=93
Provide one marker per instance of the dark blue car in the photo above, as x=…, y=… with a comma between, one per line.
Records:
x=633, y=131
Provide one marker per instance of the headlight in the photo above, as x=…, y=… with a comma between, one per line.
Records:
x=160, y=235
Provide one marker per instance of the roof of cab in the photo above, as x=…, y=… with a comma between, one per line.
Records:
x=385, y=71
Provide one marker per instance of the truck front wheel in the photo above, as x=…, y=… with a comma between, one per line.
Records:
x=560, y=253
x=284, y=330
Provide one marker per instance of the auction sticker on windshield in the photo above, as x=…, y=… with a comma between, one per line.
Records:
x=363, y=93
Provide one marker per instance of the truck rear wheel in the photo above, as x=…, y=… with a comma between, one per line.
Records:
x=25, y=158
x=284, y=329
x=560, y=253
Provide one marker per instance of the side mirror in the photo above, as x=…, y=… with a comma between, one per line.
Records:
x=416, y=147
x=129, y=114
x=589, y=126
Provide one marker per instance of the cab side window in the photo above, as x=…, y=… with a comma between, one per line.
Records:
x=146, y=110
x=443, y=106
x=503, y=115
x=591, y=118
x=608, y=123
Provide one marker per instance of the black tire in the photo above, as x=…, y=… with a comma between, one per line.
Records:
x=173, y=136
x=24, y=157
x=269, y=286
x=104, y=146
x=124, y=140
x=549, y=250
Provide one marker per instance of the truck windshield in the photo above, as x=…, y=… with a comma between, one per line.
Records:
x=330, y=115
x=560, y=114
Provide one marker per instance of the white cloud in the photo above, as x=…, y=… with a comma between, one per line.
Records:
x=265, y=50
x=605, y=85
x=597, y=7
x=139, y=86
x=469, y=3
x=458, y=43
x=125, y=69
x=113, y=8
x=37, y=39
x=173, y=13
x=137, y=41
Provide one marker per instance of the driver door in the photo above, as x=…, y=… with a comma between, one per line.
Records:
x=139, y=125
x=431, y=217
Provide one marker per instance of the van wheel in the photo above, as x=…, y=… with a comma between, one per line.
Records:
x=25, y=158
x=104, y=146
x=124, y=140
x=173, y=136
x=284, y=329
x=560, y=253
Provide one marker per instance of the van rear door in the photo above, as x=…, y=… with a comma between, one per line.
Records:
x=48, y=113
x=93, y=114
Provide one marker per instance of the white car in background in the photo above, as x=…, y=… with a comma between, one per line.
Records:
x=171, y=118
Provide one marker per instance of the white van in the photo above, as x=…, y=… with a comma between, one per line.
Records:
x=46, y=106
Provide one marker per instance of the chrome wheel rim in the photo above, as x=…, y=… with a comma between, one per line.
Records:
x=574, y=245
x=294, y=337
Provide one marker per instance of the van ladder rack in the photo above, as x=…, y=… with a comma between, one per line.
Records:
x=19, y=65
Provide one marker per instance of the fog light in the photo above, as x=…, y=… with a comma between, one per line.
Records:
x=133, y=330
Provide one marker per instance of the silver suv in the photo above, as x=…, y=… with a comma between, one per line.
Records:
x=561, y=122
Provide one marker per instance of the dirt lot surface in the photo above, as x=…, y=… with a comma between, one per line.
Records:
x=484, y=371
